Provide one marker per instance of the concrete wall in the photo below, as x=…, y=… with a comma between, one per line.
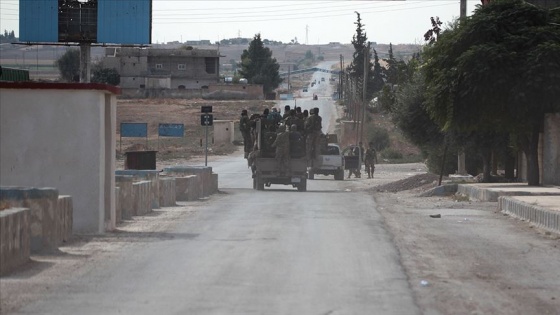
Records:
x=64, y=214
x=223, y=131
x=255, y=91
x=50, y=215
x=43, y=219
x=149, y=175
x=126, y=196
x=203, y=177
x=14, y=239
x=167, y=192
x=551, y=149
x=187, y=188
x=142, y=192
x=161, y=93
x=63, y=136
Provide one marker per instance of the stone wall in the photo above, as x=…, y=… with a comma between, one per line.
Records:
x=124, y=182
x=142, y=192
x=167, y=192
x=14, y=238
x=42, y=203
x=204, y=176
x=187, y=188
x=149, y=175
x=64, y=213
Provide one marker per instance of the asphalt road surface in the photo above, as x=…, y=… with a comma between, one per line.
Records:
x=274, y=252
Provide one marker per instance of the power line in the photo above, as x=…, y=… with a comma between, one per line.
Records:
x=282, y=17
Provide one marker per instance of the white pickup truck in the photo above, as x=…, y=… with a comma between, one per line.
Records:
x=331, y=163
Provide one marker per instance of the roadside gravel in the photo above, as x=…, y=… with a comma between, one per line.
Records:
x=471, y=259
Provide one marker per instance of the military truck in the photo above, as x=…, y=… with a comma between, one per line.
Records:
x=265, y=167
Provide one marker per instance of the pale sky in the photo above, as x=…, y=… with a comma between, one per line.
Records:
x=398, y=22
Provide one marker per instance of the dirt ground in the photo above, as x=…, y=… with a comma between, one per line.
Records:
x=178, y=111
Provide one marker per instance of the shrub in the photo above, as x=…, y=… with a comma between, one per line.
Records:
x=391, y=154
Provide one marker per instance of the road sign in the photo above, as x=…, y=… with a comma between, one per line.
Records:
x=206, y=120
x=205, y=109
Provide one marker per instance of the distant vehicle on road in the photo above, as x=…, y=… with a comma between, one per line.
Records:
x=315, y=97
x=305, y=89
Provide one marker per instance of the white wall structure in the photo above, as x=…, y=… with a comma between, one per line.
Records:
x=63, y=136
x=223, y=131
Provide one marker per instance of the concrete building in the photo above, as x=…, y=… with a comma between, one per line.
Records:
x=157, y=68
x=62, y=135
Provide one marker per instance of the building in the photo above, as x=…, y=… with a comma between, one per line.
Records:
x=158, y=68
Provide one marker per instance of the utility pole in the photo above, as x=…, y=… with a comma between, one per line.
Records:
x=306, y=34
x=463, y=8
x=461, y=158
x=340, y=78
x=85, y=62
x=364, y=90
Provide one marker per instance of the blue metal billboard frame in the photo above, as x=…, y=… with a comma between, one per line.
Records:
x=124, y=21
x=38, y=20
x=171, y=130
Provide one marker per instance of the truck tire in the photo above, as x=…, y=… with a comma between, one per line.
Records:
x=339, y=175
x=302, y=186
x=259, y=183
x=310, y=175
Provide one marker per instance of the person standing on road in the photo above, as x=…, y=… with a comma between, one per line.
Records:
x=245, y=128
x=355, y=151
x=312, y=129
x=370, y=159
x=282, y=153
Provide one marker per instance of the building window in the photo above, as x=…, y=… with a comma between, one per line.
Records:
x=181, y=87
x=159, y=66
x=210, y=65
x=181, y=66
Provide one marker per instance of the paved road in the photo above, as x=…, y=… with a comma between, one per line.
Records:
x=245, y=252
x=278, y=251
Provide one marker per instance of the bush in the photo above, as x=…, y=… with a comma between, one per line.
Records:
x=379, y=137
x=391, y=154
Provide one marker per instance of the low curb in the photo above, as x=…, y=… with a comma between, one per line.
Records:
x=541, y=217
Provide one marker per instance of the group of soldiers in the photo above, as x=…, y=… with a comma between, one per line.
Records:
x=293, y=132
x=369, y=156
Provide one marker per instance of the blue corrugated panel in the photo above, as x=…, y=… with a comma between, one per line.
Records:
x=134, y=130
x=171, y=130
x=38, y=20
x=124, y=21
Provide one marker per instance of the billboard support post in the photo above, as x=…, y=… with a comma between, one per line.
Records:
x=85, y=64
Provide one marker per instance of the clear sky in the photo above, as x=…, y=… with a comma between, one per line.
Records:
x=311, y=22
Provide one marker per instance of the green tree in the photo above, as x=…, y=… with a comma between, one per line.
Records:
x=356, y=68
x=105, y=75
x=69, y=65
x=258, y=66
x=497, y=71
